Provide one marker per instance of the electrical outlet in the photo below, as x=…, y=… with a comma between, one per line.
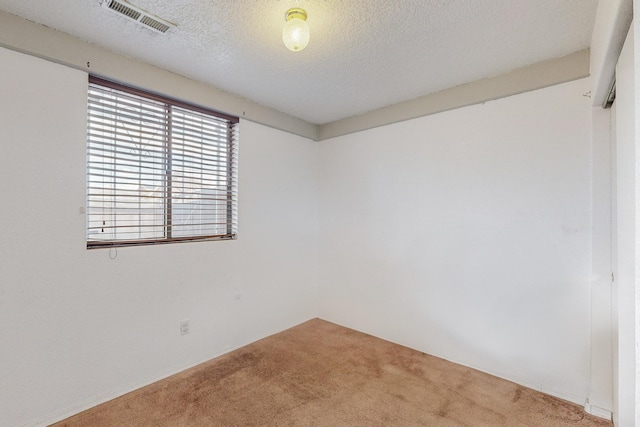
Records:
x=184, y=327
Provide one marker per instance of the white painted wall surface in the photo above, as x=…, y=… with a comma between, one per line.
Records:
x=636, y=287
x=626, y=213
x=601, y=392
x=79, y=327
x=467, y=235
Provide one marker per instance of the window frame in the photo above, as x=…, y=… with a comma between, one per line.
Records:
x=232, y=123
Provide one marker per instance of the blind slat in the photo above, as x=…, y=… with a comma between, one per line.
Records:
x=157, y=172
x=123, y=146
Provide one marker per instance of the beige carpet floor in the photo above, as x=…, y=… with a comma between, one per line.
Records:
x=321, y=374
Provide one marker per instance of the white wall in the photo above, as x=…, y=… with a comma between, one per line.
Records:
x=601, y=392
x=467, y=235
x=79, y=327
x=626, y=237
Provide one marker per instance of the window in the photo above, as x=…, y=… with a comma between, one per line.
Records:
x=158, y=171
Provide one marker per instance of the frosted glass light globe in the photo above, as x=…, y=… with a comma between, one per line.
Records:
x=295, y=33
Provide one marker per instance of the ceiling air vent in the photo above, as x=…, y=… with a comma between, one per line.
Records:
x=141, y=16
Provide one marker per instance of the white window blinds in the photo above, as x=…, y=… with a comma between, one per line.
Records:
x=158, y=170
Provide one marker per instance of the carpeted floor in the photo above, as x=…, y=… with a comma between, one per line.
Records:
x=321, y=374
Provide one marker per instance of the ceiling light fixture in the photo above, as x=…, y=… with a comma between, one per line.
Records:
x=295, y=33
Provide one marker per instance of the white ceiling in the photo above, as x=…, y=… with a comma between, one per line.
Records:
x=363, y=54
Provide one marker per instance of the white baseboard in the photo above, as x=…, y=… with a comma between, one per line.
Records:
x=597, y=411
x=93, y=401
x=105, y=397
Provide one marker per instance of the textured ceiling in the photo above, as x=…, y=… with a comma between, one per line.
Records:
x=363, y=54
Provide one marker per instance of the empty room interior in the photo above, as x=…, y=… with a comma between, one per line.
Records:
x=451, y=183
